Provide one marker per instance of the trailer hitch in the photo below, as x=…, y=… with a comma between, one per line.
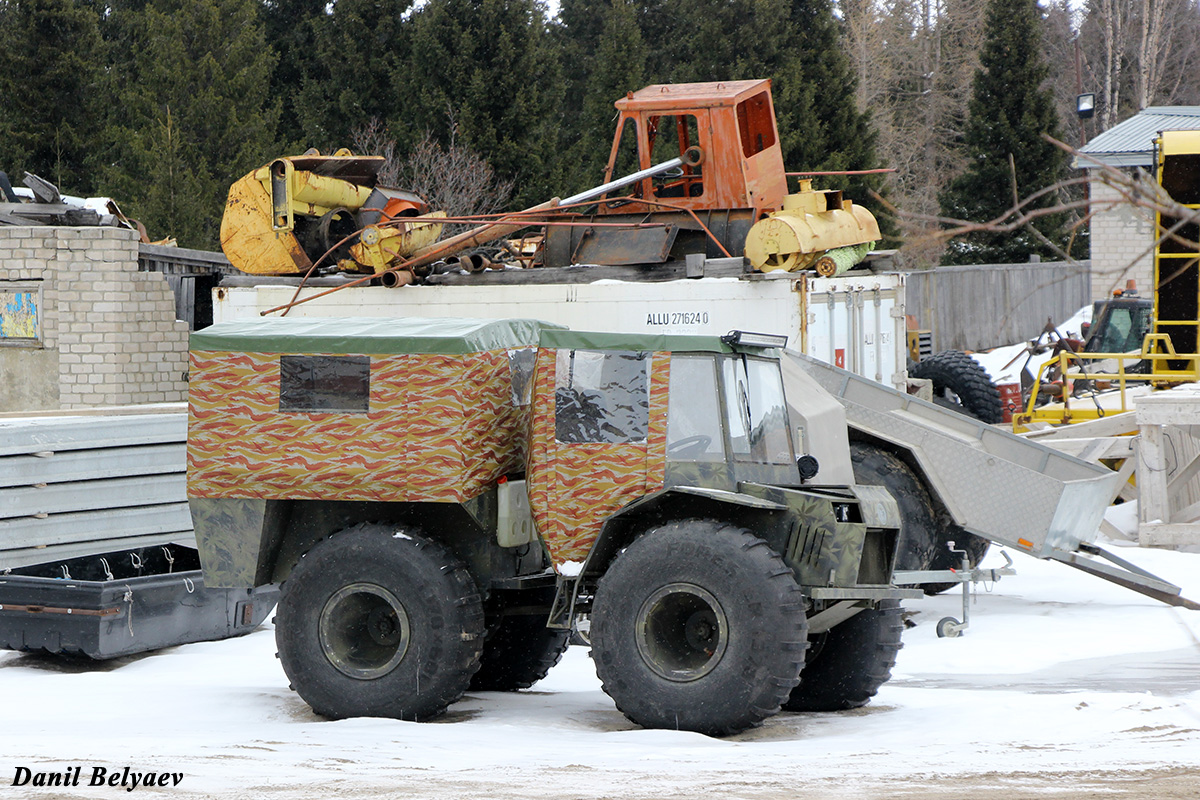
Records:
x=949, y=627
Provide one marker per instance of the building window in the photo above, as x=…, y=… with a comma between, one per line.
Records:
x=325, y=383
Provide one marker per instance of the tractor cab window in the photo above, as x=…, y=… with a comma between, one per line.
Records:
x=1121, y=329
x=625, y=160
x=693, y=411
x=601, y=397
x=668, y=137
x=756, y=411
x=756, y=124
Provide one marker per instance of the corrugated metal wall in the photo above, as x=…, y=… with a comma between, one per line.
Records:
x=985, y=306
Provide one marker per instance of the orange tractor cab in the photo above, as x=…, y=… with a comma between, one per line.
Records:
x=723, y=193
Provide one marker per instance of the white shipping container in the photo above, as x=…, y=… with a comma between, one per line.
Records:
x=855, y=321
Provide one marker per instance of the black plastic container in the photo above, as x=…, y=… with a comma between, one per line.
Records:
x=115, y=604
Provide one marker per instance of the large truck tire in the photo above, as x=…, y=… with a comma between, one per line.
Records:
x=847, y=665
x=700, y=626
x=875, y=466
x=519, y=649
x=960, y=383
x=378, y=621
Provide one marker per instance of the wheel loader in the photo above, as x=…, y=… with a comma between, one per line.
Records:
x=443, y=500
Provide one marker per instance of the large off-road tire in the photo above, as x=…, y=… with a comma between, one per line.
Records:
x=875, y=466
x=519, y=649
x=847, y=665
x=698, y=625
x=378, y=621
x=960, y=383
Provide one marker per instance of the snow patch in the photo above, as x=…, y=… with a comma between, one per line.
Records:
x=570, y=569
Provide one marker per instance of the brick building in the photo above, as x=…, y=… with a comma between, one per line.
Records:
x=81, y=326
x=1121, y=234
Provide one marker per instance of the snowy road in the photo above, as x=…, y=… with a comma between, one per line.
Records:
x=1064, y=686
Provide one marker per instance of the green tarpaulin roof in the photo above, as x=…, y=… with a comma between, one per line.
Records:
x=369, y=335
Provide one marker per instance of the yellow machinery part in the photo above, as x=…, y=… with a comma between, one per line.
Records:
x=809, y=224
x=378, y=247
x=297, y=191
x=248, y=238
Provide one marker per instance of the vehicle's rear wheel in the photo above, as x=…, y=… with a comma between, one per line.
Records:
x=378, y=621
x=847, y=665
x=698, y=625
x=519, y=649
x=960, y=383
x=875, y=466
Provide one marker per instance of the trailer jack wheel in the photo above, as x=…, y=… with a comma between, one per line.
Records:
x=949, y=628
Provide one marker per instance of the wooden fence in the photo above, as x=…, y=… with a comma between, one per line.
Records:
x=980, y=307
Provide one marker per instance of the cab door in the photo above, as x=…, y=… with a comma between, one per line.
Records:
x=598, y=441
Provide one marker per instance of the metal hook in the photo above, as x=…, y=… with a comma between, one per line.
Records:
x=136, y=560
x=66, y=572
x=170, y=560
x=191, y=587
x=108, y=576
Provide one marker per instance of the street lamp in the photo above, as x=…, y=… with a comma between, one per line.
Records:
x=1085, y=105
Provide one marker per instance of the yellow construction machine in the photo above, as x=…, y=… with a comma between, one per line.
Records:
x=286, y=216
x=1170, y=351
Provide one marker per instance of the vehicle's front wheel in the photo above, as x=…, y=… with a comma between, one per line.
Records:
x=698, y=626
x=378, y=621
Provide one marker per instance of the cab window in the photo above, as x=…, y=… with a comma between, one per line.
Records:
x=601, y=397
x=693, y=411
x=669, y=135
x=756, y=411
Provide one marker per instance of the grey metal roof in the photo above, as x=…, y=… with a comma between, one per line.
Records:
x=1131, y=143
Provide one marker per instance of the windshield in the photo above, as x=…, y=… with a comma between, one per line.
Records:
x=1121, y=329
x=756, y=411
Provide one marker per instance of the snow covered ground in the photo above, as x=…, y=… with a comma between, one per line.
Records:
x=1063, y=685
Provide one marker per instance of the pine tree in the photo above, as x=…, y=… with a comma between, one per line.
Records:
x=1010, y=110
x=484, y=75
x=362, y=55
x=192, y=113
x=604, y=57
x=290, y=26
x=49, y=105
x=820, y=127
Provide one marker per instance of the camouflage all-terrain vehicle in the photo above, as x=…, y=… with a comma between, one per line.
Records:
x=442, y=499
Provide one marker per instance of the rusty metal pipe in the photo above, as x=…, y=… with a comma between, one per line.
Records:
x=472, y=262
x=400, y=277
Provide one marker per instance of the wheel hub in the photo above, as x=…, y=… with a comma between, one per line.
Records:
x=681, y=632
x=363, y=631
